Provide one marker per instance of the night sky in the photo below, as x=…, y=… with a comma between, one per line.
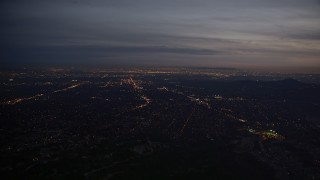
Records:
x=207, y=33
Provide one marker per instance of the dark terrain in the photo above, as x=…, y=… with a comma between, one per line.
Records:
x=158, y=124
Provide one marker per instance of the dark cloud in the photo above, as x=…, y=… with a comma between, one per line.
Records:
x=45, y=54
x=150, y=49
x=314, y=36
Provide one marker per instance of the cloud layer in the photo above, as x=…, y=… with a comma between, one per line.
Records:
x=240, y=33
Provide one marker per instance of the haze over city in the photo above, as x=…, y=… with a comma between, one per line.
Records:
x=273, y=34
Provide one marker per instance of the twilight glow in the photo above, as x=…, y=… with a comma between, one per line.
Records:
x=211, y=33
